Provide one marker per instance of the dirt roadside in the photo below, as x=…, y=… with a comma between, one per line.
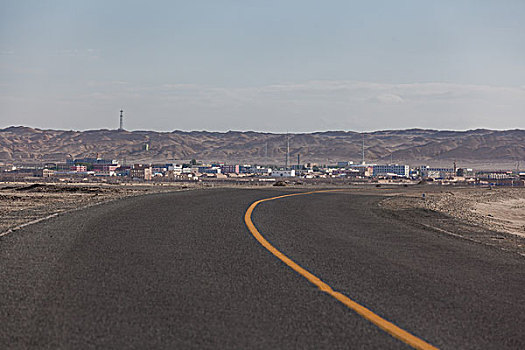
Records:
x=492, y=216
x=22, y=203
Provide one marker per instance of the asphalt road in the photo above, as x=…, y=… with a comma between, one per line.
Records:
x=181, y=270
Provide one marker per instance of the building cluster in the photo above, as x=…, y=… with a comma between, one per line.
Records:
x=92, y=168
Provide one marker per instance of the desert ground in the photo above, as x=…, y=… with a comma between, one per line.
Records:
x=492, y=216
x=488, y=215
x=22, y=203
x=499, y=209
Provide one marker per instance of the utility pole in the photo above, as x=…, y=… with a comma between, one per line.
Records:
x=363, y=150
x=287, y=151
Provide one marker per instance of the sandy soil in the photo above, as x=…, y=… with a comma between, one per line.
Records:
x=499, y=209
x=494, y=216
x=507, y=214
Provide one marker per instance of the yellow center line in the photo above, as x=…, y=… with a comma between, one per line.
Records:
x=380, y=322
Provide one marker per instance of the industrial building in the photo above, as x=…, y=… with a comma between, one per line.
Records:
x=391, y=170
x=436, y=173
x=230, y=169
x=283, y=173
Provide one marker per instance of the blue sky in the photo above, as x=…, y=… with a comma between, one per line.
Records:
x=262, y=65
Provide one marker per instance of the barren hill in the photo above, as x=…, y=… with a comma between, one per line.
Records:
x=489, y=148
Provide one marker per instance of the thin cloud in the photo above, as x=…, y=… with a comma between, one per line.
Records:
x=308, y=106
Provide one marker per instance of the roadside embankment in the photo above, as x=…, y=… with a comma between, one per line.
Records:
x=494, y=216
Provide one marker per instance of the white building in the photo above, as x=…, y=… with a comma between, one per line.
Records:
x=436, y=173
x=176, y=168
x=344, y=164
x=391, y=170
x=283, y=173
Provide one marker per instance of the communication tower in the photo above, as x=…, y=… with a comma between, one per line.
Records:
x=121, y=127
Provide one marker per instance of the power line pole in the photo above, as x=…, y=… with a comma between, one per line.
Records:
x=363, y=150
x=287, y=151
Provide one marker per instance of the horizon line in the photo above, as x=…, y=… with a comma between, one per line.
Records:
x=261, y=132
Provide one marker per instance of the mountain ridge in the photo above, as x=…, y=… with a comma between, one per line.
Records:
x=412, y=146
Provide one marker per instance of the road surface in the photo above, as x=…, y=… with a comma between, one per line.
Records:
x=182, y=270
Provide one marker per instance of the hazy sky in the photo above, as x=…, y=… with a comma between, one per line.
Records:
x=263, y=65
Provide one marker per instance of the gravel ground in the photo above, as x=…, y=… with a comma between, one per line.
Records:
x=21, y=203
x=494, y=216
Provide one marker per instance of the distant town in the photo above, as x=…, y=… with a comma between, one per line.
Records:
x=98, y=169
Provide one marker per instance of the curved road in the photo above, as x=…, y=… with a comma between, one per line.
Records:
x=181, y=270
